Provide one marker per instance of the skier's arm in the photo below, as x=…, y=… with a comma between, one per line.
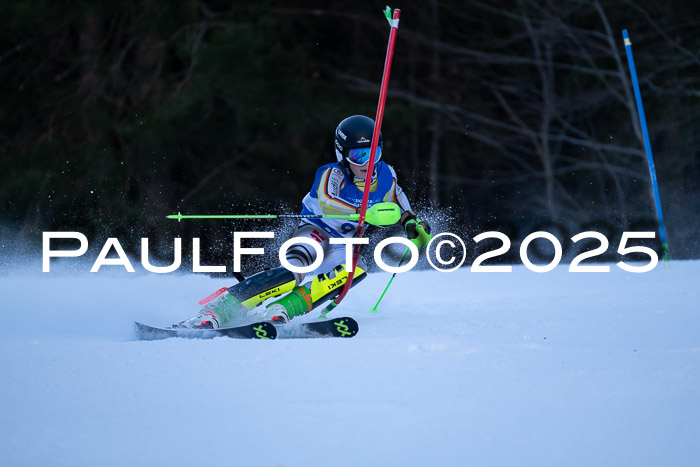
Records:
x=396, y=194
x=410, y=221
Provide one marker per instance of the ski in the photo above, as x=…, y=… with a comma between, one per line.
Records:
x=260, y=330
x=338, y=327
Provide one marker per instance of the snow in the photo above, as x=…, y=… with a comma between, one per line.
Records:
x=508, y=369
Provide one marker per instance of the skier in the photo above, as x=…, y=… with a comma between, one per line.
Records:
x=337, y=189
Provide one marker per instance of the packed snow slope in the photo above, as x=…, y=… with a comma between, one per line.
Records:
x=477, y=369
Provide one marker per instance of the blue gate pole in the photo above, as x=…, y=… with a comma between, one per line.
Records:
x=647, y=144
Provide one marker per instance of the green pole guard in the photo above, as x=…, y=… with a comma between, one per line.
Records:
x=382, y=214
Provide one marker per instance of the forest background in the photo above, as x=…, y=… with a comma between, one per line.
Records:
x=509, y=115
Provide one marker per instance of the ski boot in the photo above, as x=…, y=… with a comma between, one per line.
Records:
x=231, y=305
x=305, y=298
x=296, y=303
x=219, y=309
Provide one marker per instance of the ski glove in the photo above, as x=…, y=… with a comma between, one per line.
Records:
x=417, y=230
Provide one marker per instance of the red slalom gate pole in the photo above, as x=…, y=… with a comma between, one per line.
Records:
x=394, y=23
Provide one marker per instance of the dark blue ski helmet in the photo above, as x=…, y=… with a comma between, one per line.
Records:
x=353, y=140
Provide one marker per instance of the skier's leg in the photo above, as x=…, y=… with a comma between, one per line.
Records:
x=217, y=310
x=322, y=287
x=230, y=305
x=328, y=285
x=304, y=255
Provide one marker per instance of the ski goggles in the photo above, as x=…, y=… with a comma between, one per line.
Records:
x=360, y=156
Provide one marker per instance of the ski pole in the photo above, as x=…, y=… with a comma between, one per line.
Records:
x=374, y=308
x=393, y=20
x=647, y=143
x=381, y=214
x=180, y=216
